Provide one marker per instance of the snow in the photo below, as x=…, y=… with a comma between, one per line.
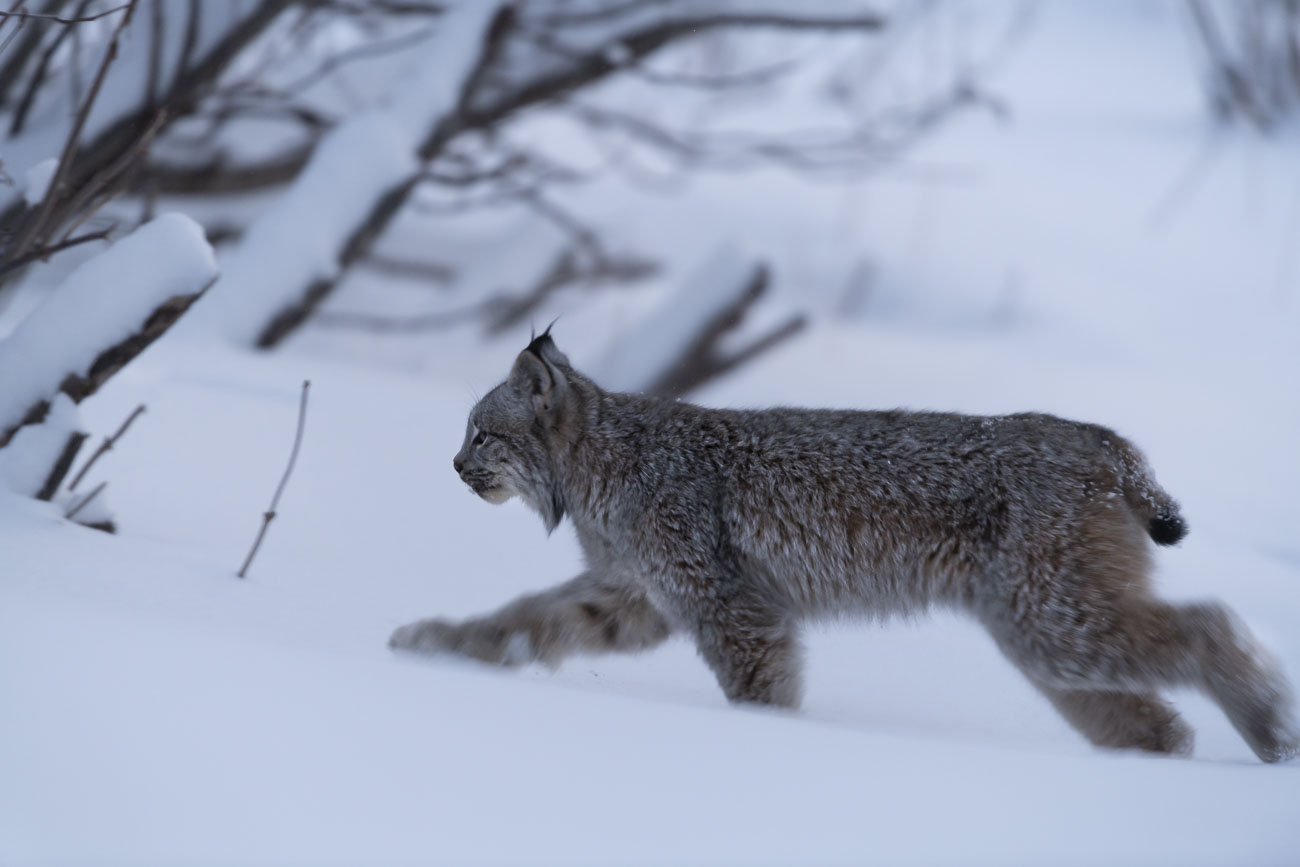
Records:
x=38, y=179
x=26, y=462
x=104, y=301
x=159, y=710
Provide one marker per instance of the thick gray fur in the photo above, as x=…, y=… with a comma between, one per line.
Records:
x=735, y=527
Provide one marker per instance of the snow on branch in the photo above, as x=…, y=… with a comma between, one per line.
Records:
x=679, y=346
x=528, y=55
x=369, y=161
x=101, y=316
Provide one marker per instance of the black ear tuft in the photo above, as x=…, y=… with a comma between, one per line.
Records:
x=543, y=346
x=538, y=343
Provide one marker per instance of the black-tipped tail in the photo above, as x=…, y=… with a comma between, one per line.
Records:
x=1167, y=529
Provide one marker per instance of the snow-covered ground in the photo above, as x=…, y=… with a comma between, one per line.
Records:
x=1101, y=256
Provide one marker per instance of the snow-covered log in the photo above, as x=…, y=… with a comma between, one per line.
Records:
x=679, y=346
x=103, y=315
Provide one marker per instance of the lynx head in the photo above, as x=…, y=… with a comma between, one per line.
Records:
x=514, y=430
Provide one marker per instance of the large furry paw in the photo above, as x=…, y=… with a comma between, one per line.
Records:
x=425, y=636
x=480, y=640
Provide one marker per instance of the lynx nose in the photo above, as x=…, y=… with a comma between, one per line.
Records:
x=458, y=464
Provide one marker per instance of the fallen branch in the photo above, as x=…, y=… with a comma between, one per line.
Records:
x=108, y=329
x=703, y=358
x=106, y=445
x=269, y=515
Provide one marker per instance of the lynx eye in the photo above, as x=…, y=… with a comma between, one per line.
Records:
x=480, y=439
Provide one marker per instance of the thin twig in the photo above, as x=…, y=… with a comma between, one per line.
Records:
x=269, y=515
x=72, y=513
x=23, y=15
x=107, y=444
x=78, y=206
x=37, y=227
x=37, y=78
x=46, y=252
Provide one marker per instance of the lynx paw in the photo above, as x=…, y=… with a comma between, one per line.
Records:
x=475, y=640
x=425, y=636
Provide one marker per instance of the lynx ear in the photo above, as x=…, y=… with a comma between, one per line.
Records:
x=538, y=379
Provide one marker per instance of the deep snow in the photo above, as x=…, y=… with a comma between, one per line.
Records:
x=157, y=710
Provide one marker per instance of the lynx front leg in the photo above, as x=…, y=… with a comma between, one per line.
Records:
x=585, y=615
x=756, y=658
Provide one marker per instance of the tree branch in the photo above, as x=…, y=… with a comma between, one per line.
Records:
x=24, y=16
x=50, y=250
x=703, y=359
x=477, y=109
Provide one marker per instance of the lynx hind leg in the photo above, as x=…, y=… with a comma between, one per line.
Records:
x=1141, y=645
x=1121, y=720
x=584, y=615
x=1240, y=676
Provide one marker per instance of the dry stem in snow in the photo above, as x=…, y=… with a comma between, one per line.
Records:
x=269, y=515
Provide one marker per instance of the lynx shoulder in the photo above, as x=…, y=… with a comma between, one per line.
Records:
x=734, y=528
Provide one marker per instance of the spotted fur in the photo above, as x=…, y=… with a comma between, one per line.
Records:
x=736, y=527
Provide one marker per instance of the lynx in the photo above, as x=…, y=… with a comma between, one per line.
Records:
x=736, y=527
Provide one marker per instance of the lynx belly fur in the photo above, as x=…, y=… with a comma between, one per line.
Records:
x=735, y=527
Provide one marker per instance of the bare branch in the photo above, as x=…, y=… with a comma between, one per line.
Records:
x=46, y=252
x=703, y=359
x=501, y=311
x=565, y=271
x=97, y=183
x=480, y=108
x=19, y=120
x=105, y=446
x=428, y=272
x=38, y=225
x=23, y=15
x=182, y=95
x=269, y=515
x=218, y=177
x=17, y=57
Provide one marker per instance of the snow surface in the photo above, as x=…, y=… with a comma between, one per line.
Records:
x=1089, y=259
